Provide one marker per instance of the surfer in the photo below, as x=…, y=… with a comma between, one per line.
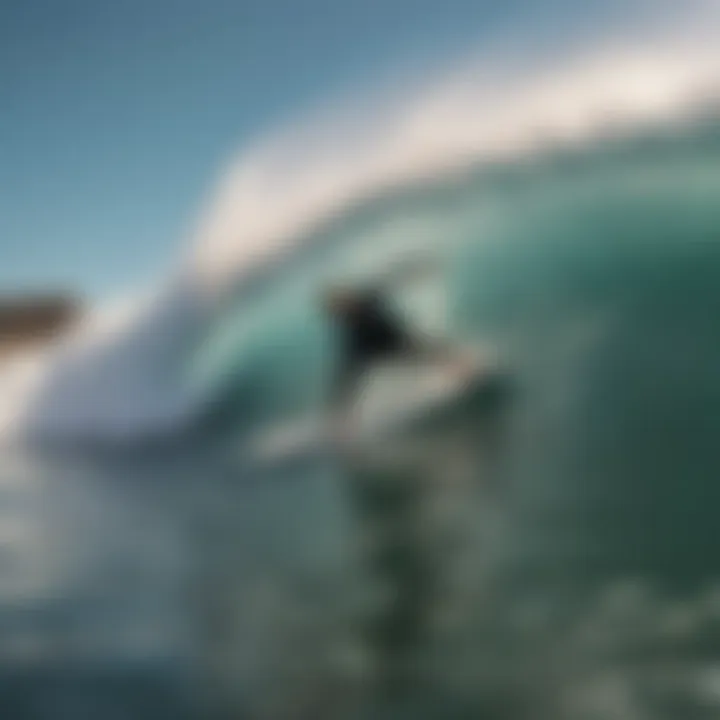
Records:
x=367, y=332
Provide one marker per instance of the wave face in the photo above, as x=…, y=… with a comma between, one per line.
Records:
x=533, y=158
x=508, y=234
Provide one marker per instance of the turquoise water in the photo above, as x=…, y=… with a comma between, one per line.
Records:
x=555, y=558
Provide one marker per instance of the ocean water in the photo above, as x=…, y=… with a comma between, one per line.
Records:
x=546, y=551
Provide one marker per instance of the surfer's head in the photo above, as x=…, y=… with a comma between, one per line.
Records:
x=339, y=301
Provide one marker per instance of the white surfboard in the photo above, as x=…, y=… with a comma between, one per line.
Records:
x=396, y=395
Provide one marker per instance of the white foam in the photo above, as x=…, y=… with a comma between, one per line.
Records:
x=276, y=194
x=115, y=375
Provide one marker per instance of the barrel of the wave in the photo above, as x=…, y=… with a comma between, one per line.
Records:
x=413, y=495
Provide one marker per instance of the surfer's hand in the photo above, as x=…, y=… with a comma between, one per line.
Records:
x=463, y=367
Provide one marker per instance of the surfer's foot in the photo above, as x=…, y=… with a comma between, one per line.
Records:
x=340, y=427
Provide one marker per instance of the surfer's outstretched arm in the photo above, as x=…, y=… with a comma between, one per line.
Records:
x=424, y=347
x=436, y=350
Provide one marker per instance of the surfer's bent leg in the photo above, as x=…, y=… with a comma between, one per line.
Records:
x=346, y=384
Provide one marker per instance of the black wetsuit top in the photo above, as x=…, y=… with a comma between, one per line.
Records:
x=369, y=333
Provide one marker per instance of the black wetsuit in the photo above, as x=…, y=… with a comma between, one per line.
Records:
x=369, y=333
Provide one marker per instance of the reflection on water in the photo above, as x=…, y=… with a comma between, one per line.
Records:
x=142, y=588
x=89, y=605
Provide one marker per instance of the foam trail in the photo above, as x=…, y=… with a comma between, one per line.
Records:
x=118, y=375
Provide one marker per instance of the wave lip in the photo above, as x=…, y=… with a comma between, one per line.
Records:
x=275, y=196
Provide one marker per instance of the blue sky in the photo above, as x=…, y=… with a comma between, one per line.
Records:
x=118, y=115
